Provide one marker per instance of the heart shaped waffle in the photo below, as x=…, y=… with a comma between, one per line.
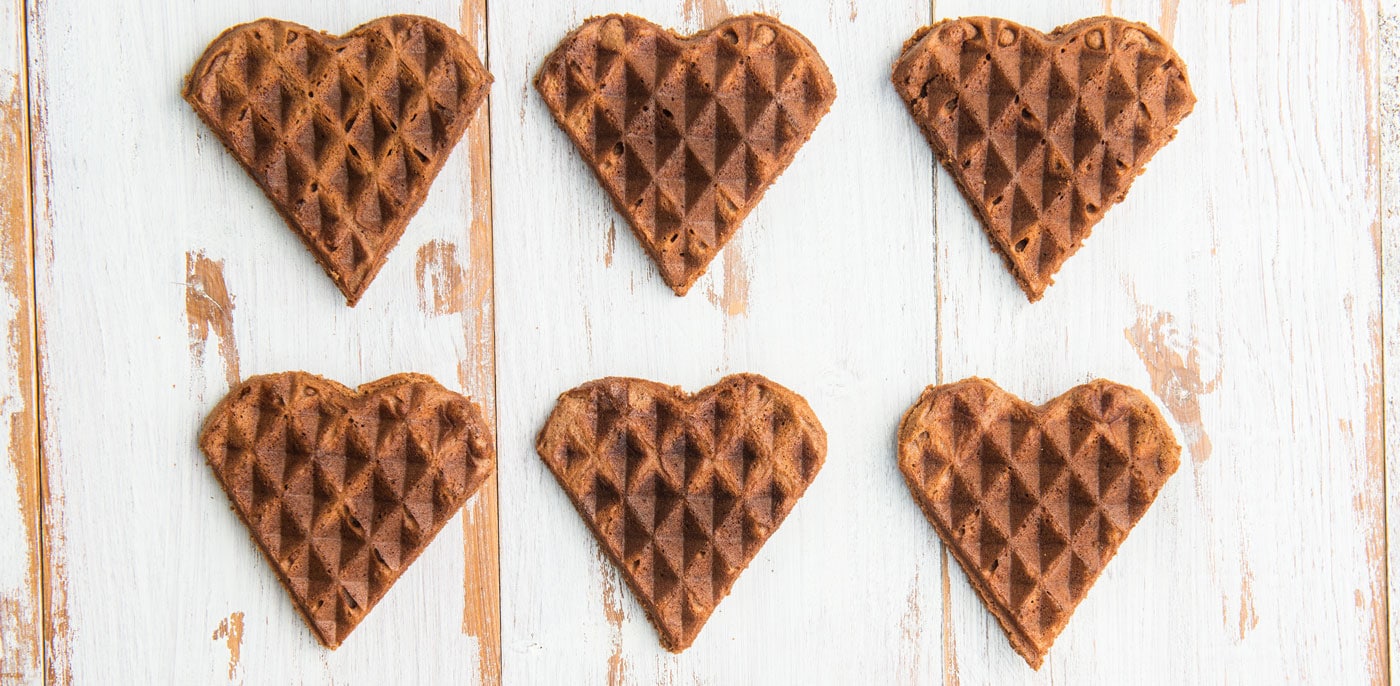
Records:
x=682, y=490
x=343, y=489
x=1034, y=501
x=343, y=134
x=1042, y=133
x=685, y=134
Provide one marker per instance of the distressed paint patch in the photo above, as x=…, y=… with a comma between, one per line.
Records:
x=1249, y=619
x=442, y=283
x=611, y=245
x=21, y=648
x=1372, y=505
x=209, y=312
x=911, y=629
x=735, y=298
x=230, y=631
x=1176, y=380
x=1167, y=23
x=1368, y=79
x=706, y=11
x=612, y=610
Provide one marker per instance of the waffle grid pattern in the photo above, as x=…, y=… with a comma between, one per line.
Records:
x=1034, y=502
x=343, y=491
x=686, y=134
x=682, y=491
x=344, y=135
x=1043, y=133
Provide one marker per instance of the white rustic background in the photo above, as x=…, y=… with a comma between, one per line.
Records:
x=1250, y=283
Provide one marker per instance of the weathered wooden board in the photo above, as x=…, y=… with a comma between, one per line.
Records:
x=21, y=607
x=1388, y=123
x=164, y=277
x=1239, y=284
x=828, y=288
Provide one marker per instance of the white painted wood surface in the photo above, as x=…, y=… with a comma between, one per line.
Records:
x=1240, y=284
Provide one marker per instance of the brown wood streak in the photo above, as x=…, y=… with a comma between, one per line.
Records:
x=230, y=630
x=950, y=653
x=441, y=280
x=209, y=311
x=1176, y=380
x=1168, y=21
x=21, y=624
x=612, y=610
x=53, y=576
x=481, y=613
x=1373, y=490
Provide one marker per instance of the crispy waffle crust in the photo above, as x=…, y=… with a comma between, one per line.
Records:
x=343, y=489
x=343, y=134
x=1042, y=133
x=1034, y=501
x=686, y=133
x=682, y=490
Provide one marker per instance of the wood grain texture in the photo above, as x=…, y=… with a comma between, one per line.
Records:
x=1249, y=282
x=476, y=371
x=1239, y=284
x=160, y=265
x=21, y=603
x=1389, y=130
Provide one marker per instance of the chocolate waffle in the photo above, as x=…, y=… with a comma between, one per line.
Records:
x=682, y=490
x=343, y=134
x=1043, y=134
x=1034, y=501
x=685, y=134
x=343, y=489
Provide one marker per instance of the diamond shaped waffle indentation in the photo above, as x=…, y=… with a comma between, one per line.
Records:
x=343, y=489
x=682, y=490
x=343, y=133
x=1042, y=133
x=685, y=134
x=1034, y=501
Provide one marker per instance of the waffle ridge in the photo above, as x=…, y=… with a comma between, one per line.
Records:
x=1033, y=502
x=341, y=489
x=686, y=134
x=1042, y=133
x=680, y=490
x=343, y=134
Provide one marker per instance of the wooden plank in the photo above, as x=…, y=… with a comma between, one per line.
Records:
x=828, y=288
x=163, y=276
x=1389, y=125
x=481, y=617
x=1239, y=284
x=21, y=614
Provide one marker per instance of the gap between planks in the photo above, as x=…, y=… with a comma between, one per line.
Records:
x=24, y=655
